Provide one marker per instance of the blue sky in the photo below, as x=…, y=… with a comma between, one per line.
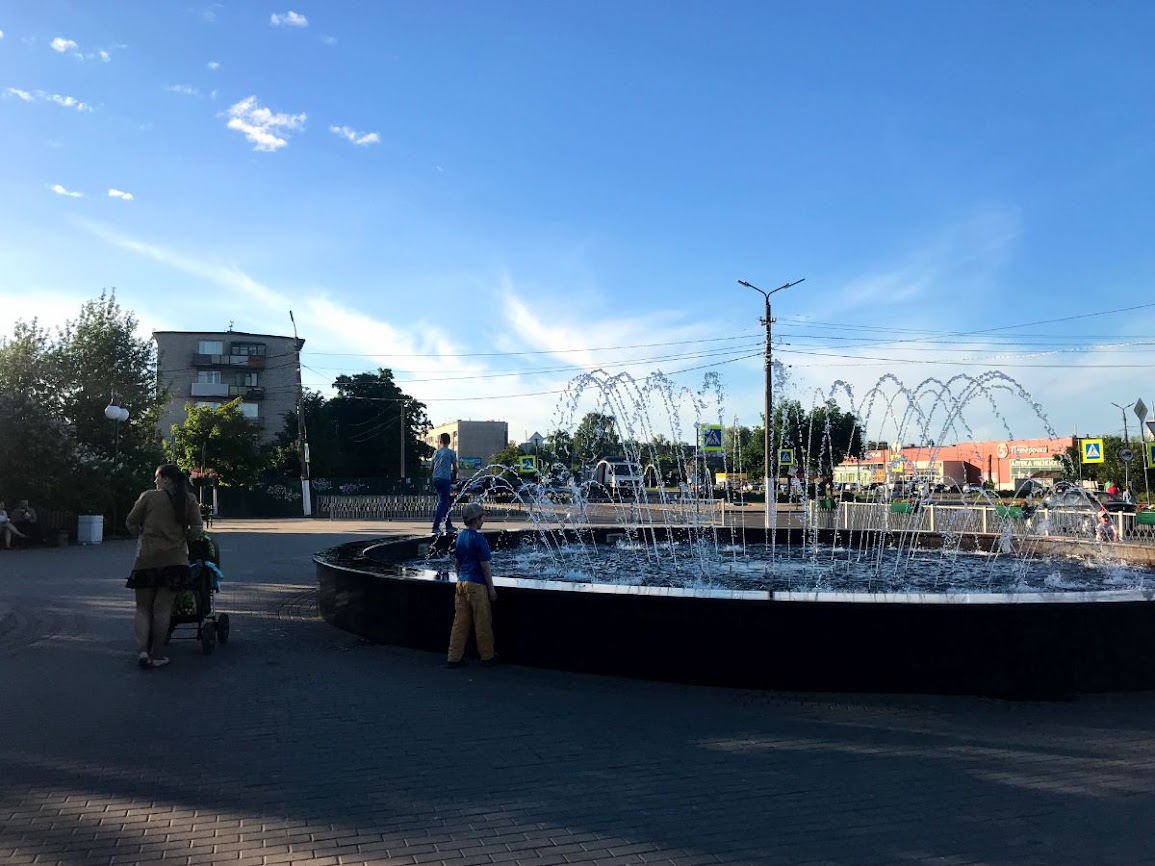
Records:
x=489, y=198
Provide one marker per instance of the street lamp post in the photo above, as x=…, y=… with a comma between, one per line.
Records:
x=1127, y=443
x=768, y=320
x=117, y=415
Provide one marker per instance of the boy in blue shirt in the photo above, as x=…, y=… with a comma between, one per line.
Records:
x=474, y=591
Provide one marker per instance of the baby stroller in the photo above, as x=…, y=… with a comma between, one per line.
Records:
x=195, y=606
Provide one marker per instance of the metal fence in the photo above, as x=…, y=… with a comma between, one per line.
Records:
x=704, y=512
x=968, y=519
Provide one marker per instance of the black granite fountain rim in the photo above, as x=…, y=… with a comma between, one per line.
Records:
x=387, y=570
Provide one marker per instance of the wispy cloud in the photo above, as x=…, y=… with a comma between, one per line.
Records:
x=353, y=136
x=1, y=34
x=329, y=40
x=185, y=89
x=265, y=129
x=67, y=101
x=69, y=46
x=212, y=66
x=288, y=19
x=68, y=193
x=58, y=98
x=120, y=194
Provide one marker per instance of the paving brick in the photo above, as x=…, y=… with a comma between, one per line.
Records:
x=299, y=743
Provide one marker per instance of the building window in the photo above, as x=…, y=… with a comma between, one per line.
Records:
x=250, y=380
x=210, y=347
x=209, y=377
x=251, y=349
x=207, y=404
x=249, y=410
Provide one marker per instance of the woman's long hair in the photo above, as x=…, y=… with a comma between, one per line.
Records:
x=177, y=491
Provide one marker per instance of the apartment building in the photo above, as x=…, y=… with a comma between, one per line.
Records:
x=474, y=441
x=207, y=368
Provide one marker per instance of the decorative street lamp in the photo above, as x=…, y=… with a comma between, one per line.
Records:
x=117, y=415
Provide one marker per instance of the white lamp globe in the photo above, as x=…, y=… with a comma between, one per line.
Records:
x=122, y=414
x=111, y=412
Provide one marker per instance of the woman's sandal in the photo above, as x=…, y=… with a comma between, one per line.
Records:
x=159, y=663
x=144, y=661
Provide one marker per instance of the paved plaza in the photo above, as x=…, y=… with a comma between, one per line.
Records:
x=298, y=743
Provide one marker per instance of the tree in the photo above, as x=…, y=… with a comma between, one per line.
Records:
x=37, y=450
x=220, y=441
x=57, y=389
x=359, y=433
x=595, y=437
x=97, y=359
x=1111, y=469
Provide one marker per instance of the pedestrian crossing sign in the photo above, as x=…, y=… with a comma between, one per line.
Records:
x=786, y=456
x=1150, y=454
x=711, y=437
x=527, y=464
x=1092, y=450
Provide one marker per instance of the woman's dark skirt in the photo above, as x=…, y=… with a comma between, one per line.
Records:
x=177, y=577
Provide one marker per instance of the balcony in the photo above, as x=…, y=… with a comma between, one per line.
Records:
x=223, y=389
x=252, y=362
x=210, y=389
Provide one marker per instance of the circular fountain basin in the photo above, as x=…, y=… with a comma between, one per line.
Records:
x=1016, y=644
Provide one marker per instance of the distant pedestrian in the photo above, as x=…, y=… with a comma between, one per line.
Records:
x=1105, y=530
x=8, y=528
x=444, y=474
x=165, y=519
x=24, y=519
x=474, y=591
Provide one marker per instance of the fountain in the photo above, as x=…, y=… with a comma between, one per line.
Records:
x=951, y=597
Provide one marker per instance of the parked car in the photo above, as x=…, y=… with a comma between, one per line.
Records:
x=1114, y=502
x=1066, y=496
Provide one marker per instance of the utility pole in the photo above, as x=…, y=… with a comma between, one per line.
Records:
x=402, y=404
x=1126, y=444
x=302, y=439
x=771, y=478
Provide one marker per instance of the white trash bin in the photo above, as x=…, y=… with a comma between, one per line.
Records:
x=90, y=529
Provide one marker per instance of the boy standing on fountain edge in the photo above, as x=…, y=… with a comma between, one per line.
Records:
x=444, y=471
x=474, y=591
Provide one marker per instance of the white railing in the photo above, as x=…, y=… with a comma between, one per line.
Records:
x=994, y=519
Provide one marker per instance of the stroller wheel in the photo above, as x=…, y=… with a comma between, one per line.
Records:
x=208, y=637
x=223, y=628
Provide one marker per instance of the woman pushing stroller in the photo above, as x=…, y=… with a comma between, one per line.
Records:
x=165, y=519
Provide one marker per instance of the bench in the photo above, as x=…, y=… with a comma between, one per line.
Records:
x=54, y=527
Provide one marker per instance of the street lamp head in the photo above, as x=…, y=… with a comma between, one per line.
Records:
x=115, y=413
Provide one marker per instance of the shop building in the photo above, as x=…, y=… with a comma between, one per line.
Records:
x=1006, y=464
x=474, y=441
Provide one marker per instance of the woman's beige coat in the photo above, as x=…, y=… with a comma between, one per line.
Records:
x=163, y=536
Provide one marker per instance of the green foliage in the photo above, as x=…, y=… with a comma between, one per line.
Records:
x=60, y=450
x=822, y=438
x=219, y=441
x=359, y=433
x=596, y=437
x=1111, y=469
